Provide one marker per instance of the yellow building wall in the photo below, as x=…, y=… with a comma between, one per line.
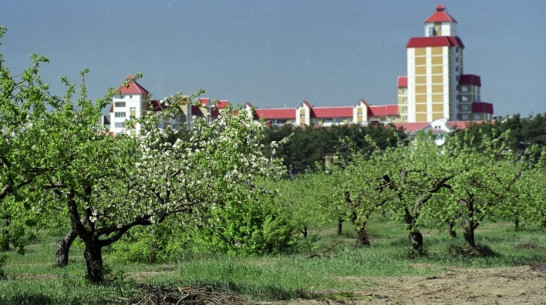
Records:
x=421, y=117
x=421, y=108
x=437, y=60
x=420, y=61
x=436, y=116
x=437, y=108
x=436, y=98
x=420, y=79
x=421, y=98
x=437, y=79
x=420, y=89
x=420, y=51
x=437, y=88
x=437, y=69
x=421, y=70
x=436, y=51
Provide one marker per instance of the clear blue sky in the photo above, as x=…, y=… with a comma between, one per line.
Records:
x=276, y=53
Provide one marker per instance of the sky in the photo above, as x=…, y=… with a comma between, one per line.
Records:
x=275, y=53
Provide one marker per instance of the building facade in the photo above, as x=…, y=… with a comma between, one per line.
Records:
x=435, y=89
x=436, y=86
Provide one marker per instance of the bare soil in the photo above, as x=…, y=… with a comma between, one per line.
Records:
x=512, y=285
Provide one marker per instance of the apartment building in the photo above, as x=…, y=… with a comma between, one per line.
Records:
x=436, y=86
x=435, y=89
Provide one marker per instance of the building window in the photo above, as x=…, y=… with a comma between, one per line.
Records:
x=302, y=115
x=119, y=125
x=404, y=109
x=404, y=100
x=404, y=119
x=132, y=111
x=119, y=104
x=431, y=31
x=404, y=90
x=119, y=114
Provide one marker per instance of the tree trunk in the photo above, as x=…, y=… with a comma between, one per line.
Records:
x=362, y=238
x=339, y=226
x=416, y=239
x=415, y=235
x=93, y=260
x=451, y=229
x=516, y=224
x=5, y=239
x=304, y=232
x=63, y=247
x=469, y=233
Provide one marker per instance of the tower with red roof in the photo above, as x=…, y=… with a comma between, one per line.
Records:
x=130, y=100
x=435, y=86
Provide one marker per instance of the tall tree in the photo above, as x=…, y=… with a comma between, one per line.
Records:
x=24, y=104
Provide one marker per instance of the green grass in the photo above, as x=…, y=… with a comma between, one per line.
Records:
x=32, y=278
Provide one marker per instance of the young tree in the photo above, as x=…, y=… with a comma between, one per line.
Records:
x=487, y=174
x=362, y=191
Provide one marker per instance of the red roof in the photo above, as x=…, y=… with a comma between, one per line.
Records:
x=482, y=107
x=440, y=15
x=383, y=110
x=470, y=79
x=411, y=127
x=221, y=104
x=458, y=124
x=402, y=81
x=307, y=104
x=332, y=112
x=435, y=41
x=204, y=101
x=132, y=87
x=276, y=113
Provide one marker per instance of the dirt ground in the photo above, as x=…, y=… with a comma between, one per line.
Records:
x=514, y=285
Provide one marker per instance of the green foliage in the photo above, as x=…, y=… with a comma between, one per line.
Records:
x=254, y=226
x=164, y=242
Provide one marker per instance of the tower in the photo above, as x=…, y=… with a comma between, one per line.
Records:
x=435, y=86
x=131, y=100
x=434, y=67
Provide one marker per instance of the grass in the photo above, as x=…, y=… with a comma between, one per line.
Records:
x=32, y=278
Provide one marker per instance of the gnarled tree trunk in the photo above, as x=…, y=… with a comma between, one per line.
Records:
x=468, y=232
x=451, y=229
x=4, y=231
x=63, y=247
x=415, y=235
x=93, y=260
x=362, y=238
